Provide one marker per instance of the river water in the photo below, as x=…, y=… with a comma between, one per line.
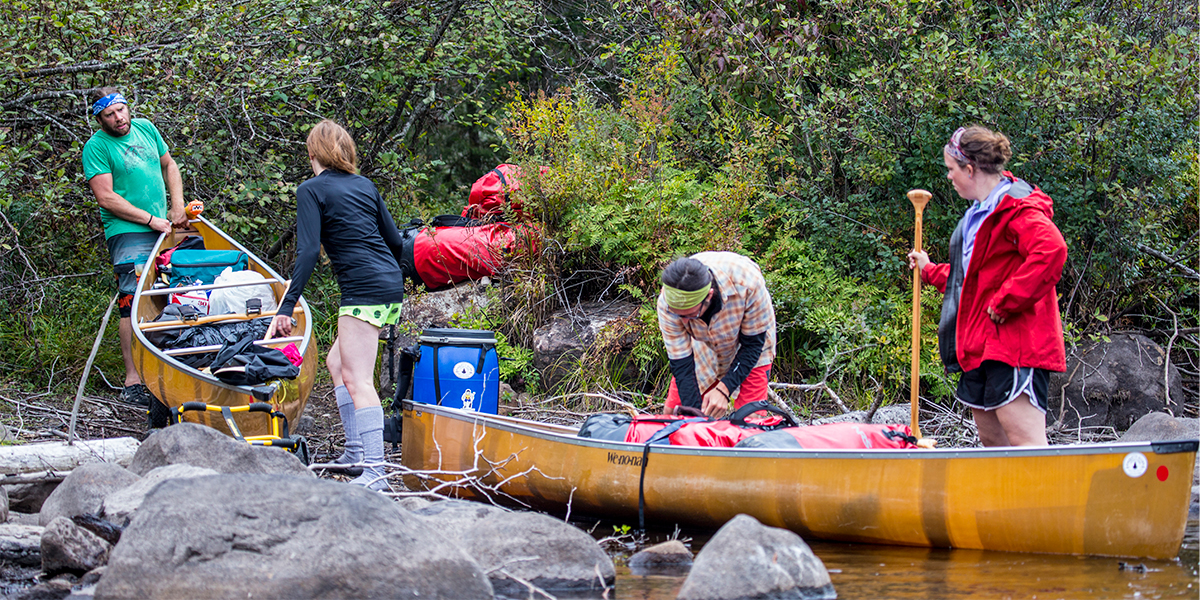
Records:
x=861, y=571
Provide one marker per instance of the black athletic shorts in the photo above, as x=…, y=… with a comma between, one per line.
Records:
x=995, y=384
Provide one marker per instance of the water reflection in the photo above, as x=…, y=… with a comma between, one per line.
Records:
x=861, y=571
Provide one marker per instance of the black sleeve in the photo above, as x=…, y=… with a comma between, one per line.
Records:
x=684, y=370
x=750, y=348
x=308, y=247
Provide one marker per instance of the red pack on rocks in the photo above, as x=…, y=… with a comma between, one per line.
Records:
x=492, y=197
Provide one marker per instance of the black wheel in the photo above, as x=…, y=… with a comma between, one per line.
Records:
x=159, y=414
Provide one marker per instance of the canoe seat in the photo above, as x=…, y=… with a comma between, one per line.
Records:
x=232, y=317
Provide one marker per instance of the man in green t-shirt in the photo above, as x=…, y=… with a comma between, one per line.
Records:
x=128, y=168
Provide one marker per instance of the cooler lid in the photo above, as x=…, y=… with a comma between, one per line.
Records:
x=458, y=336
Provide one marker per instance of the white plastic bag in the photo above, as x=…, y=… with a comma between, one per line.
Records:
x=233, y=299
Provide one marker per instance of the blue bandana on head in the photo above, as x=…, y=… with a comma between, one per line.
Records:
x=107, y=101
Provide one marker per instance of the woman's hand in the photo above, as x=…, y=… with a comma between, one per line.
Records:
x=281, y=324
x=996, y=318
x=917, y=259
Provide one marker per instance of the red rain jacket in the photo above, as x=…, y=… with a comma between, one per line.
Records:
x=1017, y=261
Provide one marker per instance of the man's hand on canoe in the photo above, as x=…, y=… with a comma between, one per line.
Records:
x=282, y=325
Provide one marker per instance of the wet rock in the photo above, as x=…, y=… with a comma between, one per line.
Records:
x=21, y=544
x=55, y=589
x=200, y=446
x=3, y=504
x=667, y=558
x=748, y=560
x=1161, y=427
x=118, y=506
x=589, y=331
x=1113, y=384
x=66, y=547
x=283, y=536
x=83, y=491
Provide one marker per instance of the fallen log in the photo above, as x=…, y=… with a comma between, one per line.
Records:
x=21, y=544
x=59, y=456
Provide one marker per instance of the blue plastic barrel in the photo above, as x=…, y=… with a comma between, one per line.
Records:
x=458, y=368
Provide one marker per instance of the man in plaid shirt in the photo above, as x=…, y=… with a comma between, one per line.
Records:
x=718, y=325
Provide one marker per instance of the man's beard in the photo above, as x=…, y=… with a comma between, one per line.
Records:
x=114, y=132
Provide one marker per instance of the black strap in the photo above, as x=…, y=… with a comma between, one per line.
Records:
x=233, y=428
x=437, y=380
x=658, y=438
x=892, y=434
x=503, y=182
x=739, y=416
x=642, y=488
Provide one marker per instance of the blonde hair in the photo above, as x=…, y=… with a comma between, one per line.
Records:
x=988, y=150
x=331, y=145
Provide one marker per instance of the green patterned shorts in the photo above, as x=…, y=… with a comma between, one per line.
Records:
x=377, y=315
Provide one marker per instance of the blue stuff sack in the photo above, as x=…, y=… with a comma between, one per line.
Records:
x=189, y=266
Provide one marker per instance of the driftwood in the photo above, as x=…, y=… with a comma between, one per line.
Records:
x=58, y=456
x=21, y=544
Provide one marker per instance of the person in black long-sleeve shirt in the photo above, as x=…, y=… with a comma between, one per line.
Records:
x=343, y=211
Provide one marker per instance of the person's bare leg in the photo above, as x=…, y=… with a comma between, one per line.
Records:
x=991, y=432
x=359, y=345
x=1023, y=423
x=125, y=334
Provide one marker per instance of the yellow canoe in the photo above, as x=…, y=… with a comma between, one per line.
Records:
x=1126, y=499
x=175, y=383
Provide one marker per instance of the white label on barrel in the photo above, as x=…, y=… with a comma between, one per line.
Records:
x=464, y=370
x=1135, y=464
x=468, y=400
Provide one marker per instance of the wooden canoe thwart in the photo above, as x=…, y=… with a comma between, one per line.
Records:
x=1127, y=499
x=174, y=383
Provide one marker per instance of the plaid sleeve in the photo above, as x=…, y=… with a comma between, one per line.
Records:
x=760, y=314
x=675, y=337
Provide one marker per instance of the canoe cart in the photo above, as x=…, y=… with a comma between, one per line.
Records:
x=1120, y=499
x=258, y=414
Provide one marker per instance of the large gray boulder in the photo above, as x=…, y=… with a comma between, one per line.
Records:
x=282, y=536
x=83, y=491
x=589, y=332
x=747, y=560
x=67, y=547
x=1161, y=427
x=1114, y=383
x=200, y=446
x=118, y=506
x=517, y=548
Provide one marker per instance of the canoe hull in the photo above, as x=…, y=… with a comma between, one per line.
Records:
x=174, y=383
x=1063, y=500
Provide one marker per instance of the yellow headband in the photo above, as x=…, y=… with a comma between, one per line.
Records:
x=678, y=299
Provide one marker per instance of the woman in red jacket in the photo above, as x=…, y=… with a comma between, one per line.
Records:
x=1000, y=325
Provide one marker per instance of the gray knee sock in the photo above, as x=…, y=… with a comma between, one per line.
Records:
x=370, y=430
x=354, y=448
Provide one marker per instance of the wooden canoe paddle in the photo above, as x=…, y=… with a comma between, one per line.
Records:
x=919, y=199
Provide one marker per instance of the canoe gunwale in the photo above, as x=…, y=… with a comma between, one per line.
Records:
x=208, y=378
x=568, y=435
